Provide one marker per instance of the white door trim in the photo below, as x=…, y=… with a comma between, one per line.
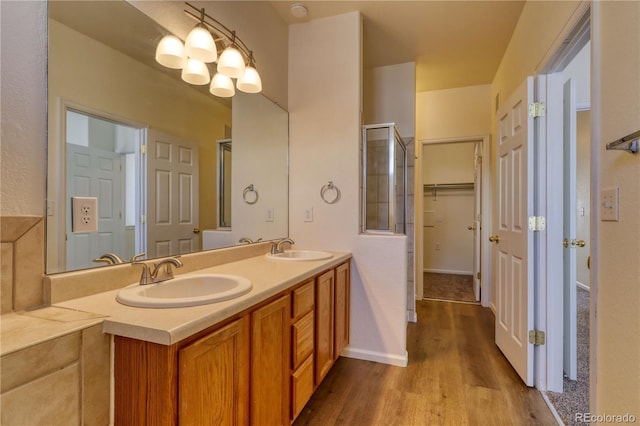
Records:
x=548, y=371
x=485, y=261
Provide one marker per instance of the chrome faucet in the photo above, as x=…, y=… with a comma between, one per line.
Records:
x=109, y=259
x=276, y=246
x=249, y=240
x=153, y=276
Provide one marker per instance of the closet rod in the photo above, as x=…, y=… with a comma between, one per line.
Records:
x=467, y=185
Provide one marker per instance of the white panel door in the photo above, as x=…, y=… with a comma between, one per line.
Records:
x=569, y=208
x=97, y=173
x=514, y=250
x=172, y=195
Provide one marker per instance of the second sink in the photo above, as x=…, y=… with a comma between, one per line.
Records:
x=300, y=255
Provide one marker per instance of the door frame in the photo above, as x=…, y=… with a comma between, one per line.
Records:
x=56, y=258
x=548, y=251
x=485, y=252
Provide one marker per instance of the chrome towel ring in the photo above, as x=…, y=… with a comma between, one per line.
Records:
x=330, y=187
x=247, y=197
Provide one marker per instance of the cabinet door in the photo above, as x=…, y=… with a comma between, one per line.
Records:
x=214, y=377
x=324, y=325
x=270, y=355
x=341, y=306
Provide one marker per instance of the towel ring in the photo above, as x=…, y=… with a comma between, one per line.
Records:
x=328, y=187
x=248, y=190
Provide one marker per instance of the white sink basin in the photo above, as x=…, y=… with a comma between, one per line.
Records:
x=300, y=255
x=186, y=290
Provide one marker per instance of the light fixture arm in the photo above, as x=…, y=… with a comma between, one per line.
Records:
x=219, y=29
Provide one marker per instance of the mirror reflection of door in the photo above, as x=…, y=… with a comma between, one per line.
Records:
x=101, y=159
x=224, y=184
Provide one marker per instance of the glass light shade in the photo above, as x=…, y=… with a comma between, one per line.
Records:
x=170, y=52
x=199, y=45
x=195, y=72
x=250, y=81
x=222, y=86
x=231, y=63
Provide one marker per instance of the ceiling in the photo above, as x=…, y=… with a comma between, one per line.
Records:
x=454, y=43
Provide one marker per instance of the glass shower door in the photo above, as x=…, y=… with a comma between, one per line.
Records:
x=384, y=180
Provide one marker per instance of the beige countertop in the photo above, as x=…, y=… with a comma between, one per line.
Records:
x=20, y=330
x=167, y=326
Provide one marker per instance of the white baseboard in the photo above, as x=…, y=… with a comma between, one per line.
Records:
x=412, y=316
x=448, y=271
x=400, y=361
x=583, y=286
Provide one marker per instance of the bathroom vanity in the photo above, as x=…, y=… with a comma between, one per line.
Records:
x=259, y=366
x=255, y=359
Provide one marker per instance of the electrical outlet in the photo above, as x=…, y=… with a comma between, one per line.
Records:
x=308, y=214
x=609, y=202
x=84, y=214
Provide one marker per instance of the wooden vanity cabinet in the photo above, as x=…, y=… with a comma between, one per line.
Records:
x=302, y=346
x=341, y=307
x=270, y=363
x=259, y=367
x=213, y=383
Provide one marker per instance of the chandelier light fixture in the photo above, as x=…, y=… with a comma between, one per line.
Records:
x=201, y=48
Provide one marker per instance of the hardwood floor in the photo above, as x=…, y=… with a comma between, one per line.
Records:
x=456, y=376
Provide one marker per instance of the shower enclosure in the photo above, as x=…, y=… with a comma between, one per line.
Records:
x=384, y=180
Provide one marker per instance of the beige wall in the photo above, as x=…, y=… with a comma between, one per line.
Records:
x=616, y=113
x=325, y=101
x=452, y=113
x=23, y=164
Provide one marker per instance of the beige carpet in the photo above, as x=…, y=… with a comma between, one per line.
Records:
x=453, y=287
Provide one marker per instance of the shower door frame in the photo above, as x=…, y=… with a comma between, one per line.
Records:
x=392, y=137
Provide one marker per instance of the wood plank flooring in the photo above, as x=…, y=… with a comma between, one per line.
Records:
x=456, y=376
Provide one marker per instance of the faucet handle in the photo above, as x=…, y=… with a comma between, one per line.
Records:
x=146, y=273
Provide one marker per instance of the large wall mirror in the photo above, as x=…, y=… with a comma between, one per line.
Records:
x=130, y=134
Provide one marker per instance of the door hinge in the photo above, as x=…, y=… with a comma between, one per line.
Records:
x=478, y=275
x=537, y=223
x=143, y=218
x=537, y=109
x=143, y=149
x=536, y=337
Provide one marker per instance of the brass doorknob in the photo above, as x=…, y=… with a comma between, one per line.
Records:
x=196, y=230
x=471, y=228
x=494, y=238
x=573, y=243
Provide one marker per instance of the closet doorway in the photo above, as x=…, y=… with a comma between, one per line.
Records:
x=452, y=253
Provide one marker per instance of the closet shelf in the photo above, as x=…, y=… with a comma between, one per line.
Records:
x=435, y=187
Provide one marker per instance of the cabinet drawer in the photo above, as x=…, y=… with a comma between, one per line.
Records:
x=303, y=299
x=301, y=339
x=301, y=387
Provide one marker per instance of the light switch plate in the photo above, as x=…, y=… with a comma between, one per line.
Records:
x=609, y=204
x=268, y=215
x=308, y=214
x=84, y=214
